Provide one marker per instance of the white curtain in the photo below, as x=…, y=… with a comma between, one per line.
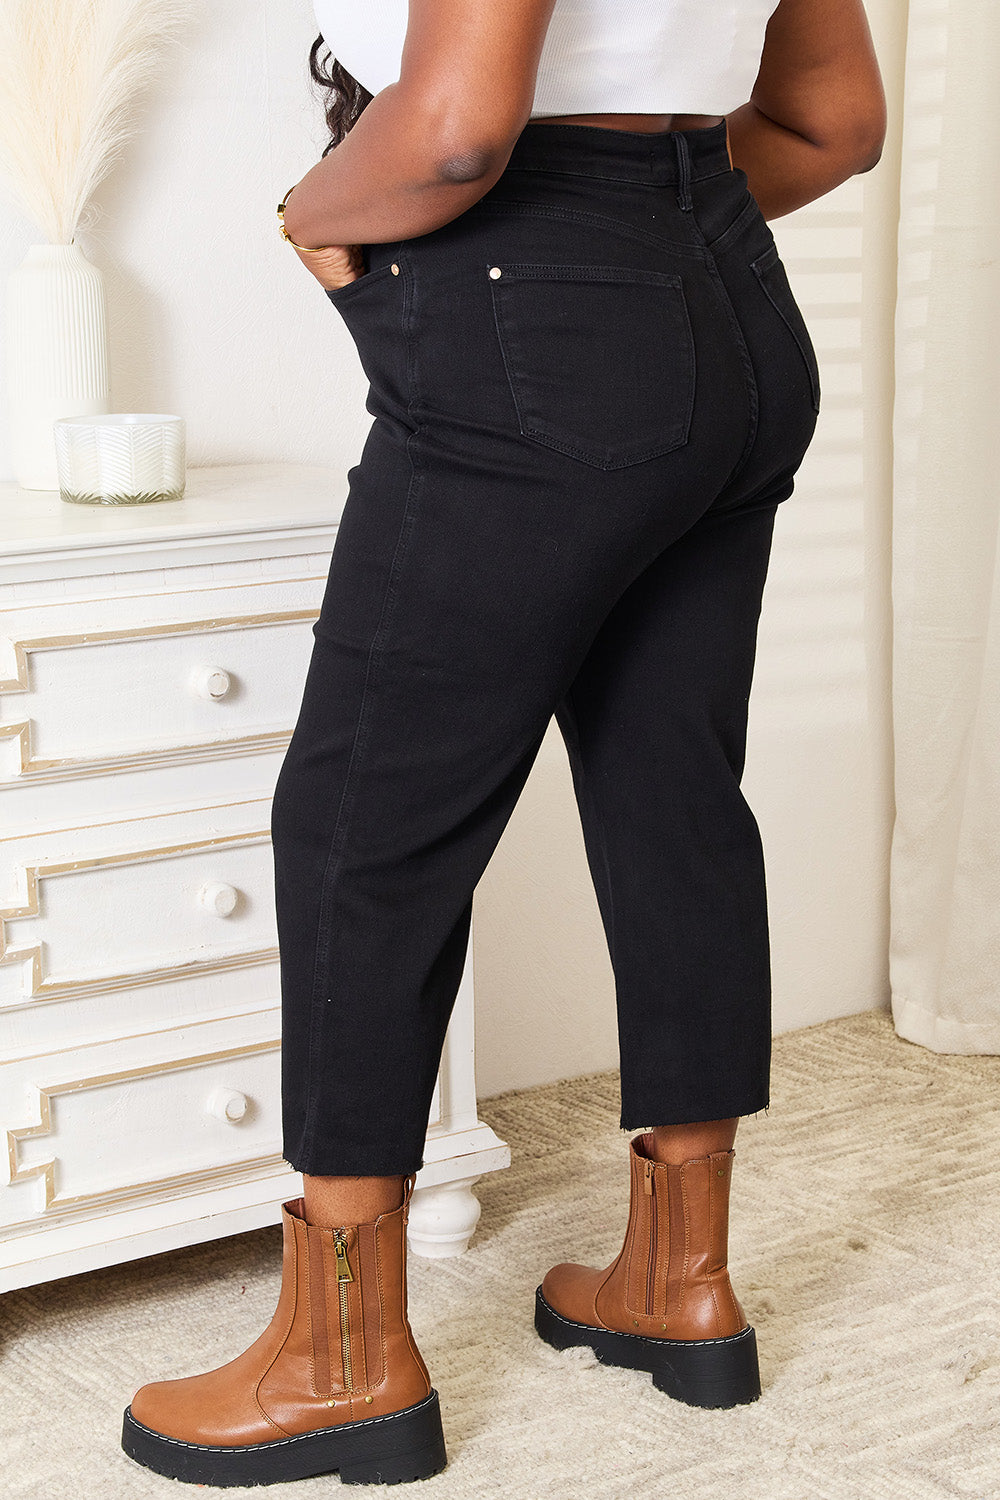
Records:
x=944, y=958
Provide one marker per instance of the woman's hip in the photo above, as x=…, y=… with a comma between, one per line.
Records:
x=611, y=310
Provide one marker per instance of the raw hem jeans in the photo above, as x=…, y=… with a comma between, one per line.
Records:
x=590, y=393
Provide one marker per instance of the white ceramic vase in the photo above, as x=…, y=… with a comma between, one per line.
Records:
x=57, y=354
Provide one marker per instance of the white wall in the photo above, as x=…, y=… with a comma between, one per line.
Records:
x=213, y=317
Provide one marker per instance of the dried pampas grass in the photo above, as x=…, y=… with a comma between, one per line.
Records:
x=70, y=73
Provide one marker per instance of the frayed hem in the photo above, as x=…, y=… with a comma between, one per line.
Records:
x=741, y=1115
x=351, y=1170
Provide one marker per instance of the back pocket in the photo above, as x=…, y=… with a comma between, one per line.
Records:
x=599, y=359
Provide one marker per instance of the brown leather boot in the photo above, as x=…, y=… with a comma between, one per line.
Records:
x=665, y=1304
x=335, y=1382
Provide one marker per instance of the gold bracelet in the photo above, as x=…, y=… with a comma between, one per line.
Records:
x=309, y=249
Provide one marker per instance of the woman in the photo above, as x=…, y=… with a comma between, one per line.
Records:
x=591, y=389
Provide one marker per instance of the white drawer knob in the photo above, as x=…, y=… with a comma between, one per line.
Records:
x=211, y=682
x=228, y=1104
x=218, y=898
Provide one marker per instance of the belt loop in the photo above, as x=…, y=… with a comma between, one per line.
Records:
x=683, y=172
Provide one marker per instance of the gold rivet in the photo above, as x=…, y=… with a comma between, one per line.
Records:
x=663, y=1325
x=394, y=269
x=722, y=1171
x=635, y=1322
x=495, y=272
x=368, y=1400
x=331, y=1403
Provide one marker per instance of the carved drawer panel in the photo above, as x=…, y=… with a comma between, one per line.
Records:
x=140, y=694
x=158, y=1114
x=116, y=912
x=124, y=1120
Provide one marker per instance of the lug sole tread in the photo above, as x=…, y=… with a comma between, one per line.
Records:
x=393, y=1448
x=717, y=1372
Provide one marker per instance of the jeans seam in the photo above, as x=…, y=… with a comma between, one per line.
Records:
x=753, y=398
x=652, y=179
x=318, y=1012
x=811, y=363
x=586, y=216
x=597, y=822
x=750, y=210
x=564, y=171
x=710, y=249
x=753, y=395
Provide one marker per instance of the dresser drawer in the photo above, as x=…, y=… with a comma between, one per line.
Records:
x=135, y=1118
x=142, y=693
x=144, y=1116
x=133, y=904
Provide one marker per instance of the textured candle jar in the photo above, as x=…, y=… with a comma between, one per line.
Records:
x=127, y=458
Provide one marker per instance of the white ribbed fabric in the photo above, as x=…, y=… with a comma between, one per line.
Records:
x=600, y=56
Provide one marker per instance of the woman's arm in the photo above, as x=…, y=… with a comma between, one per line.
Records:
x=817, y=113
x=429, y=146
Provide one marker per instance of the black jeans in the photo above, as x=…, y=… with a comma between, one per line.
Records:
x=590, y=392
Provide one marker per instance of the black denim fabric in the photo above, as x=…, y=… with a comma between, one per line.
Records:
x=590, y=392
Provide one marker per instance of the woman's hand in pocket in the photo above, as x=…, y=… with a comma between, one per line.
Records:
x=335, y=265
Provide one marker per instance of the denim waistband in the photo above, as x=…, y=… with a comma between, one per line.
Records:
x=655, y=157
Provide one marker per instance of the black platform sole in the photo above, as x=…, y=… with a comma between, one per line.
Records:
x=403, y=1445
x=700, y=1372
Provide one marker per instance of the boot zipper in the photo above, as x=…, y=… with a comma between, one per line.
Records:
x=650, y=1186
x=343, y=1277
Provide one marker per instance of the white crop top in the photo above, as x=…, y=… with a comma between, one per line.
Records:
x=697, y=57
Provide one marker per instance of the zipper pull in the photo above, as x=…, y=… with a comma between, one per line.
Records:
x=343, y=1264
x=648, y=1177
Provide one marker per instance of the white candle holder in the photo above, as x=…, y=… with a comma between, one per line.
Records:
x=126, y=458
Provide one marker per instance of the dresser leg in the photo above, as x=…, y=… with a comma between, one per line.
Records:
x=443, y=1217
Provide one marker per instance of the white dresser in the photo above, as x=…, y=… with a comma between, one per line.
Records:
x=151, y=665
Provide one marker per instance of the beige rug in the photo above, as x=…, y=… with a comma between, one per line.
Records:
x=865, y=1247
